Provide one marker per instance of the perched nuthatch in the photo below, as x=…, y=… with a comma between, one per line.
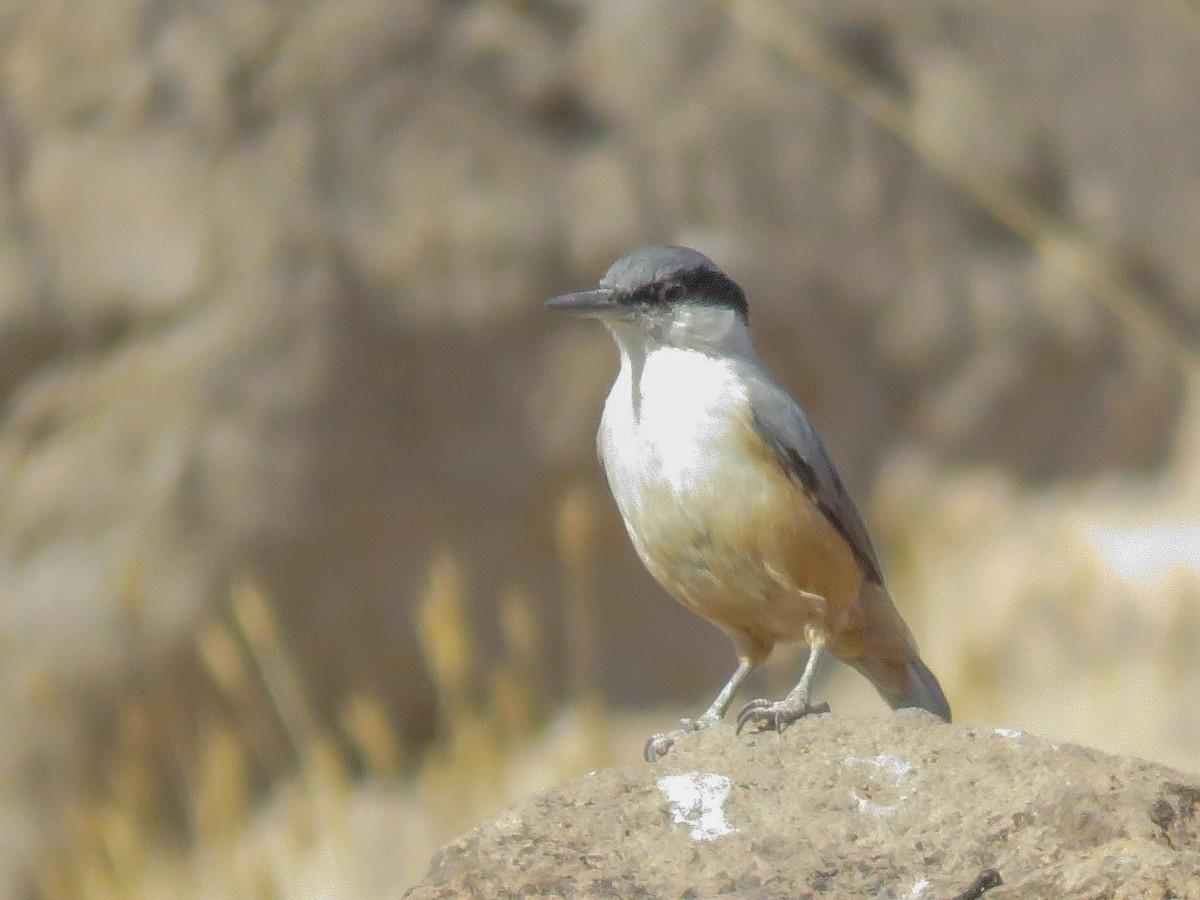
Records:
x=728, y=494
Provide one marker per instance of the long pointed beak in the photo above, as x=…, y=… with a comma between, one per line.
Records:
x=595, y=303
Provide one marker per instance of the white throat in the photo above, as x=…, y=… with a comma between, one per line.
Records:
x=704, y=337
x=678, y=400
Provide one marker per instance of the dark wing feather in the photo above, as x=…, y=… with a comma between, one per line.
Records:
x=797, y=447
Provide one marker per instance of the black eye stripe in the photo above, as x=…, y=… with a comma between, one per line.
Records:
x=704, y=284
x=671, y=290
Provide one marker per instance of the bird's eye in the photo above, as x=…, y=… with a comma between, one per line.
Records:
x=671, y=292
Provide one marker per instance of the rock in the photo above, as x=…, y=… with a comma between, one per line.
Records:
x=899, y=806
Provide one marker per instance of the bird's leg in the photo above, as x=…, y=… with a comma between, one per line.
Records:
x=778, y=714
x=658, y=745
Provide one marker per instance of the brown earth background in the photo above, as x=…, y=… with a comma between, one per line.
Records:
x=306, y=563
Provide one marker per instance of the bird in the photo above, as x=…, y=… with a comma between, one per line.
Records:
x=729, y=496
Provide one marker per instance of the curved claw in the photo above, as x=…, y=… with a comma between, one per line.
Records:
x=657, y=746
x=660, y=744
x=753, y=710
x=776, y=715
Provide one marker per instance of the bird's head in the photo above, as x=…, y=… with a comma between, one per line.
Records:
x=668, y=296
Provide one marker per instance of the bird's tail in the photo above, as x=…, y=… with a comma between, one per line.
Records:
x=905, y=683
x=886, y=654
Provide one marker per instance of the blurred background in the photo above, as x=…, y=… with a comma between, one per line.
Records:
x=306, y=563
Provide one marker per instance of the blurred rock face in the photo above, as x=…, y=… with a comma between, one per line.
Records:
x=270, y=277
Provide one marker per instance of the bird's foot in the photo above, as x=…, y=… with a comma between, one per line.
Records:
x=660, y=744
x=776, y=715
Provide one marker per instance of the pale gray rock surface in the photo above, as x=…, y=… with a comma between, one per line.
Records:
x=899, y=806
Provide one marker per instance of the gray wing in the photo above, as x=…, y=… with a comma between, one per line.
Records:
x=797, y=447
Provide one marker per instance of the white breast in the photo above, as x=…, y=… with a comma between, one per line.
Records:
x=669, y=421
